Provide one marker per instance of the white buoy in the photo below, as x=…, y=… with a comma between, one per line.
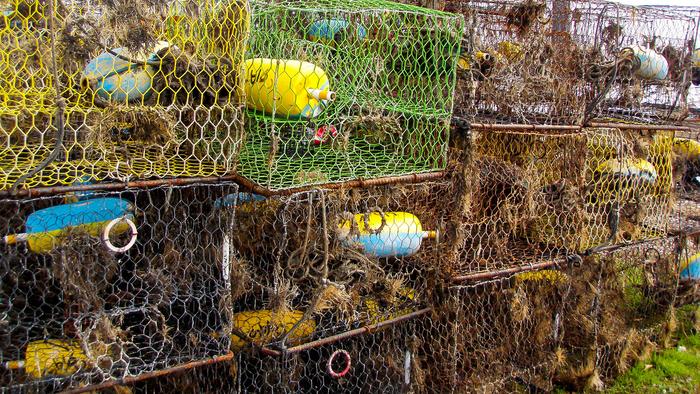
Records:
x=652, y=65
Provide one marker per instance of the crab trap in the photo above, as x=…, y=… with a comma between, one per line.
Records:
x=323, y=262
x=629, y=174
x=544, y=62
x=321, y=285
x=640, y=69
x=621, y=309
x=120, y=89
x=347, y=90
x=103, y=286
x=500, y=335
x=534, y=196
x=338, y=260
x=521, y=200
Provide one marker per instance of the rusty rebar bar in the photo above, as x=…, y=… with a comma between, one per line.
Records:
x=344, y=335
x=539, y=127
x=363, y=183
x=488, y=275
x=246, y=183
x=150, y=375
x=635, y=126
x=358, y=331
x=112, y=186
x=520, y=126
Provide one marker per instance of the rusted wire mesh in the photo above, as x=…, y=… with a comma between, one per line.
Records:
x=420, y=286
x=544, y=258
x=530, y=196
x=566, y=62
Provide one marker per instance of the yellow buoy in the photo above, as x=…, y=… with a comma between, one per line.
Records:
x=686, y=148
x=264, y=326
x=51, y=357
x=288, y=88
x=510, y=50
x=632, y=169
x=377, y=314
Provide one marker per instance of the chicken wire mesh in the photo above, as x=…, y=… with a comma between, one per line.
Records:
x=631, y=185
x=103, y=286
x=566, y=62
x=399, y=288
x=532, y=196
x=120, y=89
x=571, y=326
x=622, y=308
x=650, y=49
x=316, y=267
x=333, y=260
x=500, y=334
x=347, y=90
x=376, y=276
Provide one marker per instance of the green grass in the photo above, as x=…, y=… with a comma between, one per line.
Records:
x=668, y=371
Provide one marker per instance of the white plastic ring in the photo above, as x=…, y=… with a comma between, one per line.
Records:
x=345, y=370
x=108, y=230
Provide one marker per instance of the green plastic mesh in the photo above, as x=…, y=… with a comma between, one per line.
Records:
x=391, y=68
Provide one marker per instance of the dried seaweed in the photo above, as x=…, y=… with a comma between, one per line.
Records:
x=522, y=16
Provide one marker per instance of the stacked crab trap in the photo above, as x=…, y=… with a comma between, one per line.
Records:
x=347, y=90
x=120, y=90
x=343, y=196
x=569, y=62
x=112, y=285
x=105, y=280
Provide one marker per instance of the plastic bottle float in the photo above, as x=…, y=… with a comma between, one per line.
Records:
x=383, y=235
x=97, y=217
x=290, y=89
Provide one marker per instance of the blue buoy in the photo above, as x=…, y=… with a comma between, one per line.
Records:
x=234, y=199
x=120, y=81
x=332, y=31
x=691, y=268
x=44, y=226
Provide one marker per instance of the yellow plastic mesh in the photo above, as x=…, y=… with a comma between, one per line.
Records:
x=630, y=178
x=530, y=196
x=119, y=89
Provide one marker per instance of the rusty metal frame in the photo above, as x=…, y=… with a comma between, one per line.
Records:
x=115, y=186
x=534, y=127
x=154, y=374
x=368, y=329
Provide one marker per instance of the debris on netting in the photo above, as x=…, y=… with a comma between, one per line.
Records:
x=110, y=303
x=482, y=315
x=549, y=63
x=339, y=92
x=540, y=258
x=146, y=125
x=629, y=177
x=117, y=89
x=84, y=268
x=621, y=309
x=522, y=16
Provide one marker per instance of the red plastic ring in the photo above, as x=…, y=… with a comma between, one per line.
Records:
x=348, y=363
